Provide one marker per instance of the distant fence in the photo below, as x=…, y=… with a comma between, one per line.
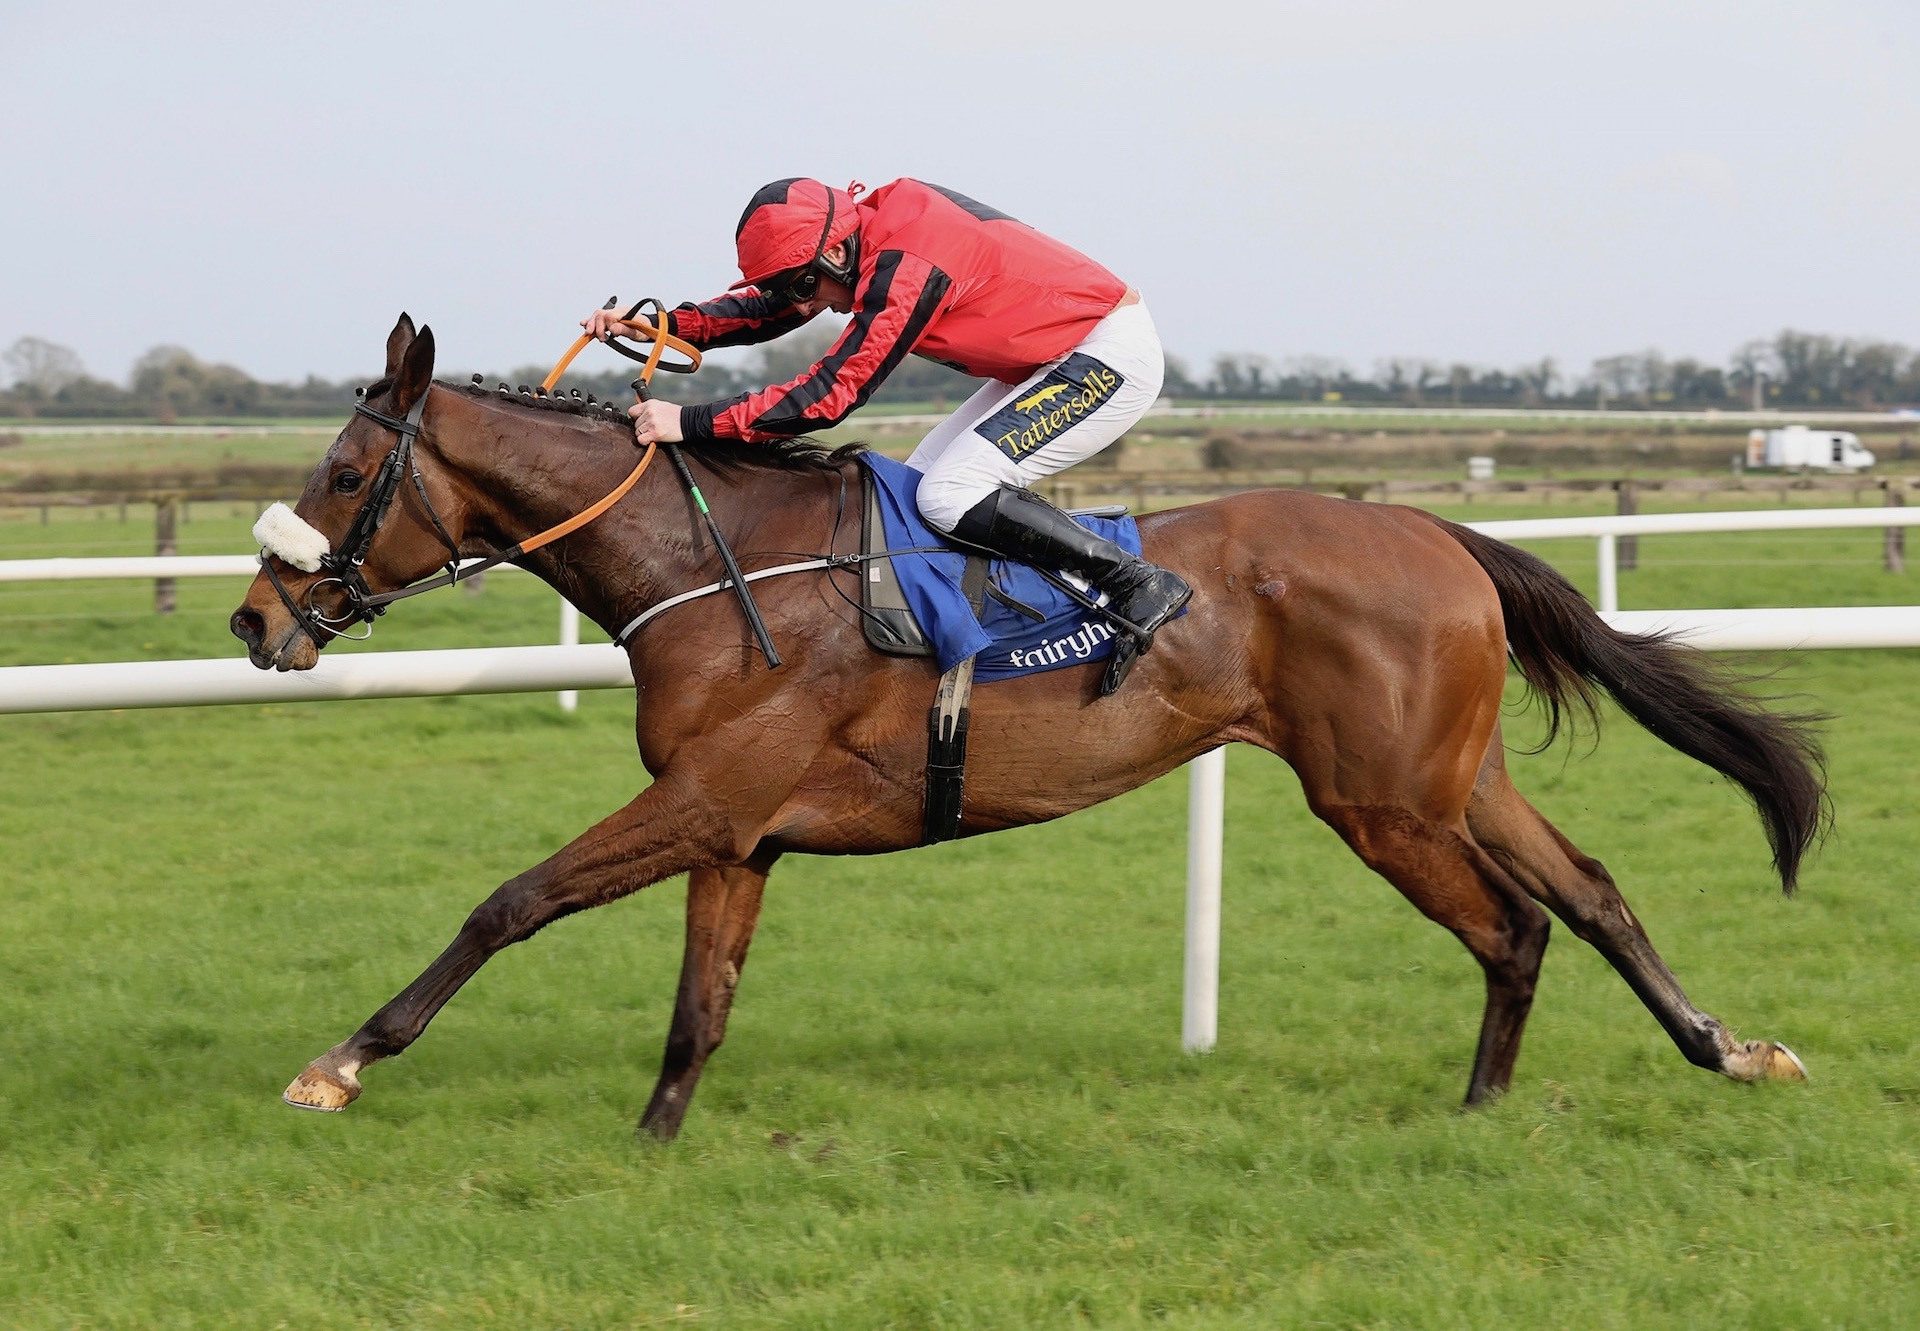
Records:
x=1085, y=484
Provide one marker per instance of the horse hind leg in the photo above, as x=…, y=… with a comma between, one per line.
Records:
x=1582, y=893
x=1455, y=884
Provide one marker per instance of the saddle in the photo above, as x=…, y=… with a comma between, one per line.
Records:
x=885, y=617
x=887, y=620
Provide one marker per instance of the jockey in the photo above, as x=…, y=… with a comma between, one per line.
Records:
x=1068, y=350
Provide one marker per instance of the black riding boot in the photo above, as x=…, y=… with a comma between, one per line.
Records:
x=1023, y=526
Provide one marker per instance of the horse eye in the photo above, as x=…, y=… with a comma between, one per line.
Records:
x=347, y=482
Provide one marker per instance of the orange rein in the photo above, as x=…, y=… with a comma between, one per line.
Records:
x=661, y=341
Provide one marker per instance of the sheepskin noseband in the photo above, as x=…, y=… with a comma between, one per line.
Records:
x=280, y=531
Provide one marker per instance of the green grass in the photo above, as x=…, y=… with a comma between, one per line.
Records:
x=952, y=1095
x=292, y=445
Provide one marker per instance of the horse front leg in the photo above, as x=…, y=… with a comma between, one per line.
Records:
x=669, y=828
x=723, y=906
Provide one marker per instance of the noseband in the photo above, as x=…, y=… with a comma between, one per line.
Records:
x=343, y=565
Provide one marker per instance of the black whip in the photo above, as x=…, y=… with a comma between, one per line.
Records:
x=740, y=586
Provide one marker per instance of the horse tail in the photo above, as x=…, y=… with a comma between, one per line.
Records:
x=1563, y=649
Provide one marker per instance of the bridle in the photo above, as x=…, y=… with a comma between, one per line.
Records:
x=364, y=605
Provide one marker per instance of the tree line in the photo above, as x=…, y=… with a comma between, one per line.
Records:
x=1790, y=369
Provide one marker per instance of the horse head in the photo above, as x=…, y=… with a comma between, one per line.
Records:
x=370, y=520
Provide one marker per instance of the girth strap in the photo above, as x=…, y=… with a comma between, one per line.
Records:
x=947, y=728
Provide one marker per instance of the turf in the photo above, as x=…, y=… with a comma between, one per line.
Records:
x=952, y=1095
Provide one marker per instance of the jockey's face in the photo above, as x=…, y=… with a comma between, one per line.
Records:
x=830, y=295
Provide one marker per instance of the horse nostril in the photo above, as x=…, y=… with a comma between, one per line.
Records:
x=249, y=626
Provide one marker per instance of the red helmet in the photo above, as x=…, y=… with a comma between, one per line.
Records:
x=789, y=223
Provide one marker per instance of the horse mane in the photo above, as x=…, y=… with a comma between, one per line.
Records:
x=800, y=454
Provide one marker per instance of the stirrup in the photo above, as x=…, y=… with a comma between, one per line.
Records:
x=1129, y=647
x=1126, y=650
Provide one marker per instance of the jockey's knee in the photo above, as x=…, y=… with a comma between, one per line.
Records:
x=943, y=500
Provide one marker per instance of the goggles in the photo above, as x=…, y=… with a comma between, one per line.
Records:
x=794, y=286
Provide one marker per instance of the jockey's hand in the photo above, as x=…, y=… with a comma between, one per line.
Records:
x=655, y=422
x=603, y=322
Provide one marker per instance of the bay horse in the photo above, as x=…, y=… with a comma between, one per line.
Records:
x=1365, y=644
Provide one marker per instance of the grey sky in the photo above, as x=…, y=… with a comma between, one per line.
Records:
x=1483, y=180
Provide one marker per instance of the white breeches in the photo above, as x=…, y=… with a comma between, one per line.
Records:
x=1067, y=410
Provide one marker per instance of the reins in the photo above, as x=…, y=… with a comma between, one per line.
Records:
x=648, y=329
x=654, y=331
x=648, y=364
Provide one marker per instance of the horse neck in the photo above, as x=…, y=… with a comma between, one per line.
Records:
x=528, y=471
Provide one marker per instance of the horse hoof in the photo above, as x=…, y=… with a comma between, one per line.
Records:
x=1764, y=1060
x=321, y=1090
x=1784, y=1065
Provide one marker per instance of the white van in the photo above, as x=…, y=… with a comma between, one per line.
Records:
x=1800, y=449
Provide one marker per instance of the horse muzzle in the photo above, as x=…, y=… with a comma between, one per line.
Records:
x=287, y=647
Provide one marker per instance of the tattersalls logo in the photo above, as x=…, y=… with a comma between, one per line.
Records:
x=1069, y=393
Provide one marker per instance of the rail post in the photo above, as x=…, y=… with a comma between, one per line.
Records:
x=1627, y=503
x=1896, y=541
x=569, y=637
x=1206, y=827
x=165, y=517
x=1609, y=574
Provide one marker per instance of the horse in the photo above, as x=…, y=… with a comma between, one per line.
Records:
x=1367, y=645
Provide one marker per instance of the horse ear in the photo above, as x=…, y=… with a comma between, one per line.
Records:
x=397, y=342
x=415, y=373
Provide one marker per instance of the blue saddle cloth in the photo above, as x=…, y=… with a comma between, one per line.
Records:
x=1006, y=643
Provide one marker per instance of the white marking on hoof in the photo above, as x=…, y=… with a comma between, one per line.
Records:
x=1764, y=1060
x=1778, y=1072
x=318, y=1089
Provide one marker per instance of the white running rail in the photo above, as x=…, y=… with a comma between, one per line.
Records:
x=233, y=566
